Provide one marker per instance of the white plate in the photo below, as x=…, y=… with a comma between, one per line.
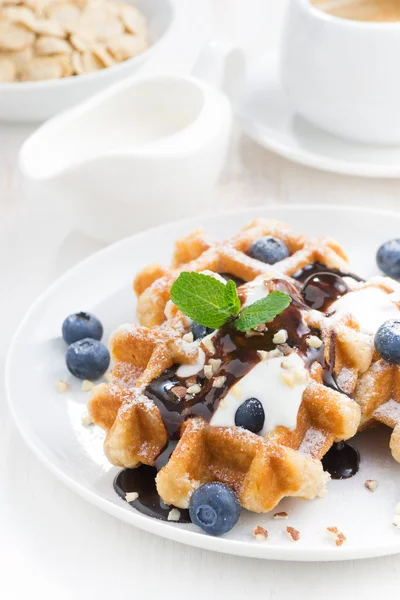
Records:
x=50, y=422
x=268, y=118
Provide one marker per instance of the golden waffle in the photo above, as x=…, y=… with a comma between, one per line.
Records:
x=198, y=252
x=261, y=470
x=377, y=390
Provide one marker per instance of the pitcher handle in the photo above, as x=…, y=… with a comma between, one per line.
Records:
x=222, y=65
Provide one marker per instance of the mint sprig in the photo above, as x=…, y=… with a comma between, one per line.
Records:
x=262, y=311
x=204, y=299
x=211, y=303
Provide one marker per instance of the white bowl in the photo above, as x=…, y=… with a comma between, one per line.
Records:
x=33, y=101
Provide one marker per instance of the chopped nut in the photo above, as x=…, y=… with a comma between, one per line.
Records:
x=341, y=538
x=237, y=391
x=275, y=353
x=108, y=376
x=208, y=343
x=219, y=381
x=396, y=521
x=215, y=364
x=293, y=534
x=87, y=385
x=280, y=337
x=287, y=364
x=61, y=386
x=194, y=389
x=188, y=337
x=281, y=515
x=371, y=485
x=261, y=327
x=260, y=533
x=191, y=380
x=208, y=371
x=300, y=375
x=337, y=536
x=179, y=390
x=288, y=378
x=314, y=342
x=131, y=496
x=251, y=333
x=174, y=515
x=263, y=354
x=87, y=420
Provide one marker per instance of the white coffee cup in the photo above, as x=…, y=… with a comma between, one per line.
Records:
x=343, y=75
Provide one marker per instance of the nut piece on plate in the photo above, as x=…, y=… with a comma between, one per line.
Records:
x=37, y=36
x=293, y=534
x=260, y=533
x=337, y=536
x=371, y=485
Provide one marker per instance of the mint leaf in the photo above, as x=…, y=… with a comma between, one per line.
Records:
x=205, y=299
x=262, y=311
x=232, y=298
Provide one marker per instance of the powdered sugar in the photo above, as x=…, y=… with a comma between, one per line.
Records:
x=390, y=411
x=312, y=443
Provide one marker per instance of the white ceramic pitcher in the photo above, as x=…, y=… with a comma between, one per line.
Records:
x=146, y=151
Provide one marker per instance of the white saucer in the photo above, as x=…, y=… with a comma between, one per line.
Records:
x=51, y=423
x=268, y=118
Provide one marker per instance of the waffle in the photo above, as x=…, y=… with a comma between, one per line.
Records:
x=261, y=469
x=197, y=252
x=377, y=390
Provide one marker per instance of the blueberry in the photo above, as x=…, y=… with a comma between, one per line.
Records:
x=200, y=331
x=214, y=508
x=388, y=258
x=250, y=415
x=87, y=359
x=81, y=325
x=269, y=250
x=387, y=341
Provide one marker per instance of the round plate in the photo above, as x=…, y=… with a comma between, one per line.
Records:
x=51, y=424
x=268, y=118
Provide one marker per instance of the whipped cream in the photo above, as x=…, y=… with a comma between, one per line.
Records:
x=194, y=368
x=255, y=291
x=370, y=306
x=281, y=402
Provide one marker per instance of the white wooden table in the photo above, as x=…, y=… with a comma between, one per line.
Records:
x=52, y=543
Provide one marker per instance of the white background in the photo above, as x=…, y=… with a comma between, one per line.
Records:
x=52, y=543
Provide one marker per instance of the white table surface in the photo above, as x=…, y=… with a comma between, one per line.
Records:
x=52, y=543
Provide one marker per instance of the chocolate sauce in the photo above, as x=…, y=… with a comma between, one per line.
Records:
x=318, y=267
x=322, y=285
x=341, y=461
x=143, y=481
x=238, y=353
x=322, y=289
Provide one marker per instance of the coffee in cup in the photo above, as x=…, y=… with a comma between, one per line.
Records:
x=379, y=11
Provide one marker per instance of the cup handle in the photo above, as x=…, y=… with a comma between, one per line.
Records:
x=223, y=66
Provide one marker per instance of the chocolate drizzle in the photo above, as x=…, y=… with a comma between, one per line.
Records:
x=322, y=289
x=238, y=352
x=143, y=481
x=318, y=267
x=341, y=461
